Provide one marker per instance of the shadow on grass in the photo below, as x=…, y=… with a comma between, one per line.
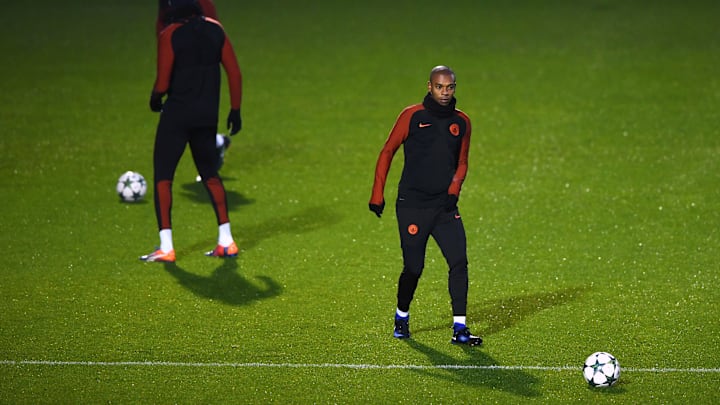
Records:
x=500, y=315
x=196, y=192
x=516, y=382
x=140, y=202
x=225, y=284
x=504, y=313
x=306, y=220
x=248, y=236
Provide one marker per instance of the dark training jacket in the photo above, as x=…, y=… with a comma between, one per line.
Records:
x=190, y=52
x=436, y=146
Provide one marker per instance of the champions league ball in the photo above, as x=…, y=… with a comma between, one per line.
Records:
x=601, y=369
x=131, y=186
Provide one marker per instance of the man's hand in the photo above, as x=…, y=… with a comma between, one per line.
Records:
x=377, y=208
x=451, y=203
x=156, y=103
x=234, y=122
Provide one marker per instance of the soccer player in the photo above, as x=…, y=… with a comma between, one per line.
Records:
x=436, y=141
x=190, y=51
x=165, y=9
x=165, y=18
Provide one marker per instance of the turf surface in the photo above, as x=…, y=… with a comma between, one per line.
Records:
x=592, y=207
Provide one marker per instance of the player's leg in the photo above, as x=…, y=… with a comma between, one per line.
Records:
x=170, y=140
x=449, y=233
x=202, y=147
x=414, y=233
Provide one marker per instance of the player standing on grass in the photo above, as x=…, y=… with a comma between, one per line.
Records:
x=190, y=51
x=436, y=139
x=164, y=18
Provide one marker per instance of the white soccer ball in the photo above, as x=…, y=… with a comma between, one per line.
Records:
x=131, y=186
x=601, y=369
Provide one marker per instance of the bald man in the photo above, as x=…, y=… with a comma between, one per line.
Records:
x=436, y=140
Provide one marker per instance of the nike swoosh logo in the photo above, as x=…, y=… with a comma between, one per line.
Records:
x=457, y=216
x=423, y=125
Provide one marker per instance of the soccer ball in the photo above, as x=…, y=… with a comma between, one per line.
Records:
x=601, y=369
x=131, y=186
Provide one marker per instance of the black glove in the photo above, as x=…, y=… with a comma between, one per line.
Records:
x=156, y=103
x=377, y=208
x=451, y=203
x=234, y=122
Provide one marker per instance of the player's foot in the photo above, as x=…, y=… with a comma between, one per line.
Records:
x=402, y=328
x=462, y=336
x=224, y=251
x=159, y=256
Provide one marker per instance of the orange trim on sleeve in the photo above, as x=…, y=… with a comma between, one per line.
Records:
x=165, y=59
x=234, y=75
x=398, y=135
x=462, y=166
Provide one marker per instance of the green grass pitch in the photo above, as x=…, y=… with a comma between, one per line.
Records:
x=592, y=207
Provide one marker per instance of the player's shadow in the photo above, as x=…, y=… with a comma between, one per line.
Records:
x=497, y=315
x=504, y=313
x=225, y=284
x=477, y=370
x=304, y=221
x=196, y=192
x=247, y=236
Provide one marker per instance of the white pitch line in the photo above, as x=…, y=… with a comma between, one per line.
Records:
x=333, y=365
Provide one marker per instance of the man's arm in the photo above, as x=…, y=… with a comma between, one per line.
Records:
x=234, y=75
x=165, y=60
x=462, y=166
x=161, y=16
x=397, y=136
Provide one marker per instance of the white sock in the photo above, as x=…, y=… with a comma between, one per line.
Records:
x=225, y=238
x=459, y=319
x=402, y=314
x=166, y=243
x=219, y=140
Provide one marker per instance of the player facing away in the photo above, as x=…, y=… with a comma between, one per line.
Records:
x=166, y=8
x=436, y=140
x=191, y=50
x=165, y=18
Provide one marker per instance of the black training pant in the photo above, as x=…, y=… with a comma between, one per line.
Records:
x=173, y=134
x=170, y=140
x=416, y=225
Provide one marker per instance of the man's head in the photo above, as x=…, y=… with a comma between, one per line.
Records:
x=441, y=84
x=183, y=8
